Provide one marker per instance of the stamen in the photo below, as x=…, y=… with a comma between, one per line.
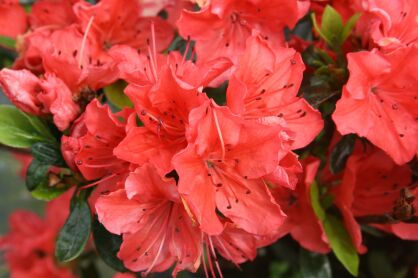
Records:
x=153, y=66
x=218, y=129
x=214, y=255
x=160, y=248
x=97, y=182
x=210, y=260
x=227, y=253
x=83, y=42
x=203, y=260
x=185, y=54
x=154, y=47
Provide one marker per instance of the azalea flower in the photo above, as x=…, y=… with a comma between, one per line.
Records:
x=221, y=169
x=158, y=231
x=389, y=25
x=40, y=96
x=379, y=101
x=163, y=103
x=371, y=185
x=113, y=22
x=265, y=88
x=301, y=222
x=52, y=13
x=221, y=28
x=13, y=21
x=29, y=246
x=89, y=148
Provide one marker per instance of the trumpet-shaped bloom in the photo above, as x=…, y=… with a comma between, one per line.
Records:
x=92, y=141
x=221, y=28
x=371, y=184
x=221, y=169
x=49, y=95
x=380, y=101
x=13, y=21
x=265, y=87
x=157, y=230
x=113, y=22
x=390, y=24
x=301, y=222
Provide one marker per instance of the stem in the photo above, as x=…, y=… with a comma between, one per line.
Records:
x=384, y=219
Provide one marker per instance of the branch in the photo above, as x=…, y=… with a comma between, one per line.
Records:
x=384, y=219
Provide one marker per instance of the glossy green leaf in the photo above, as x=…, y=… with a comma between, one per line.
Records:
x=318, y=29
x=74, y=235
x=349, y=25
x=314, y=265
x=7, y=42
x=36, y=174
x=44, y=192
x=107, y=245
x=116, y=96
x=341, y=243
x=315, y=201
x=341, y=152
x=20, y=130
x=48, y=154
x=332, y=26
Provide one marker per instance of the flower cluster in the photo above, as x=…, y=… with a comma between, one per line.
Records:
x=186, y=173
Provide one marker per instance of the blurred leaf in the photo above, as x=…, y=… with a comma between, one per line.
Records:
x=341, y=243
x=48, y=154
x=318, y=29
x=7, y=42
x=341, y=152
x=314, y=265
x=107, y=245
x=116, y=96
x=332, y=26
x=217, y=94
x=88, y=270
x=349, y=25
x=324, y=56
x=332, y=29
x=20, y=130
x=315, y=200
x=26, y=2
x=74, y=235
x=278, y=269
x=180, y=45
x=36, y=174
x=380, y=265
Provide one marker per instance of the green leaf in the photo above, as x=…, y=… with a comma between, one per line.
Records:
x=332, y=26
x=75, y=233
x=341, y=243
x=48, y=154
x=7, y=42
x=107, y=245
x=279, y=269
x=318, y=29
x=36, y=174
x=314, y=265
x=20, y=130
x=341, y=152
x=26, y=2
x=349, y=25
x=217, y=94
x=315, y=201
x=47, y=193
x=116, y=96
